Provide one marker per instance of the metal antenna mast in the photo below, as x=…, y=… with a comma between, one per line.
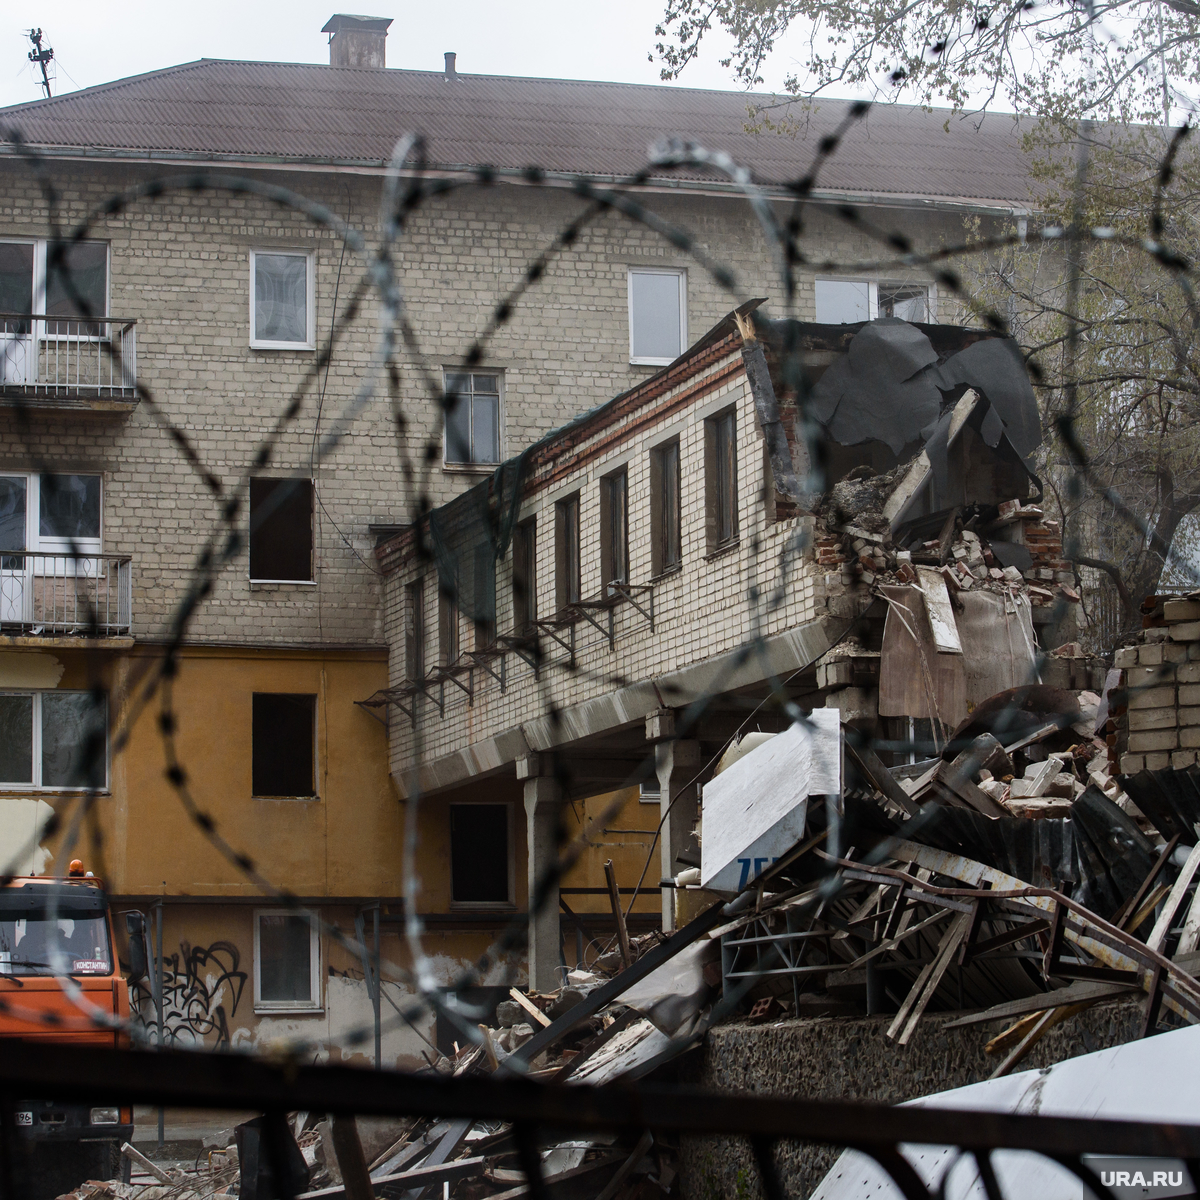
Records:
x=41, y=57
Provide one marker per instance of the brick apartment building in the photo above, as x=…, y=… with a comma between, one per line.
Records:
x=218, y=300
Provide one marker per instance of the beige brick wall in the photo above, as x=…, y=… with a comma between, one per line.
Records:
x=712, y=605
x=180, y=267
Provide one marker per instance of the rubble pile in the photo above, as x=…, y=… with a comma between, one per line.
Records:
x=1016, y=549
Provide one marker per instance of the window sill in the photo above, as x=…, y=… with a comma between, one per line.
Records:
x=663, y=576
x=29, y=789
x=295, y=347
x=289, y=799
x=276, y=585
x=480, y=468
x=722, y=550
x=651, y=362
x=289, y=1010
x=483, y=906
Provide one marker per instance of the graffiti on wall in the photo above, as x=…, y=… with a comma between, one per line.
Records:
x=202, y=988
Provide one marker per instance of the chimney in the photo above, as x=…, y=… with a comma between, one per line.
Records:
x=357, y=41
x=451, y=70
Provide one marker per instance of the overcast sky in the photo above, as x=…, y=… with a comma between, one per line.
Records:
x=95, y=43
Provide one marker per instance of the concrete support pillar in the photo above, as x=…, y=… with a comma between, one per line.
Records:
x=543, y=800
x=678, y=763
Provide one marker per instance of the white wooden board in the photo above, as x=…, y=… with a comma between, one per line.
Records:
x=941, y=614
x=754, y=812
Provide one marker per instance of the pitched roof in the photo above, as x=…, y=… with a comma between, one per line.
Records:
x=251, y=112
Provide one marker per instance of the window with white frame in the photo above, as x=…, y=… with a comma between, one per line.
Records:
x=282, y=293
x=848, y=301
x=472, y=418
x=67, y=281
x=53, y=740
x=287, y=961
x=657, y=315
x=907, y=301
x=55, y=514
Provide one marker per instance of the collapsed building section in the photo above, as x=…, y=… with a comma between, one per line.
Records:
x=840, y=516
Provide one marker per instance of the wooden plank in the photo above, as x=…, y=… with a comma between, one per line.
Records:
x=352, y=1163
x=892, y=943
x=947, y=948
x=150, y=1168
x=1040, y=1029
x=1190, y=936
x=443, y=1173
x=614, y=899
x=595, y=1000
x=918, y=988
x=940, y=610
x=1073, y=994
x=1163, y=925
x=1134, y=903
x=597, y=1043
x=626, y=1169
x=565, y=1177
x=529, y=1006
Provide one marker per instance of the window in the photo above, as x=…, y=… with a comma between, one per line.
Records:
x=614, y=527
x=720, y=471
x=58, y=514
x=472, y=419
x=447, y=629
x=414, y=638
x=909, y=302
x=657, y=315
x=666, y=549
x=281, y=521
x=72, y=286
x=650, y=792
x=524, y=577
x=284, y=734
x=483, y=597
x=480, y=871
x=287, y=961
x=53, y=740
x=282, y=312
x=846, y=301
x=566, y=552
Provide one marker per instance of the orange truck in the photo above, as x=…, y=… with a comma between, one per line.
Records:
x=62, y=926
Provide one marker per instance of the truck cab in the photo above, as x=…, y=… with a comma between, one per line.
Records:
x=53, y=929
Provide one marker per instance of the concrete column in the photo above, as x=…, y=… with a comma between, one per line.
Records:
x=678, y=763
x=543, y=800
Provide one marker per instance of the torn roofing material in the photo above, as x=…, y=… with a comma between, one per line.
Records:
x=890, y=386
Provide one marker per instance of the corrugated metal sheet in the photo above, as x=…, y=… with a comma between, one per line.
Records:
x=334, y=114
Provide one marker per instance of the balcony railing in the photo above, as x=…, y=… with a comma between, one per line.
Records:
x=68, y=357
x=82, y=595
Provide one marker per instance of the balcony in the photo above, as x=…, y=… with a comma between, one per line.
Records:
x=70, y=364
x=65, y=595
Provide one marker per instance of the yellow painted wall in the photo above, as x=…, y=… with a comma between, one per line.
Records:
x=345, y=842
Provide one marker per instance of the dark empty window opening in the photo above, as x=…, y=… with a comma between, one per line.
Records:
x=614, y=527
x=447, y=630
x=479, y=868
x=666, y=547
x=281, y=524
x=284, y=736
x=721, y=479
x=414, y=641
x=566, y=552
x=524, y=577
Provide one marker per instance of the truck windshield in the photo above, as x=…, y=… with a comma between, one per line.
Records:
x=75, y=942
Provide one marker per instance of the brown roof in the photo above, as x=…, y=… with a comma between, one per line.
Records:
x=272, y=112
